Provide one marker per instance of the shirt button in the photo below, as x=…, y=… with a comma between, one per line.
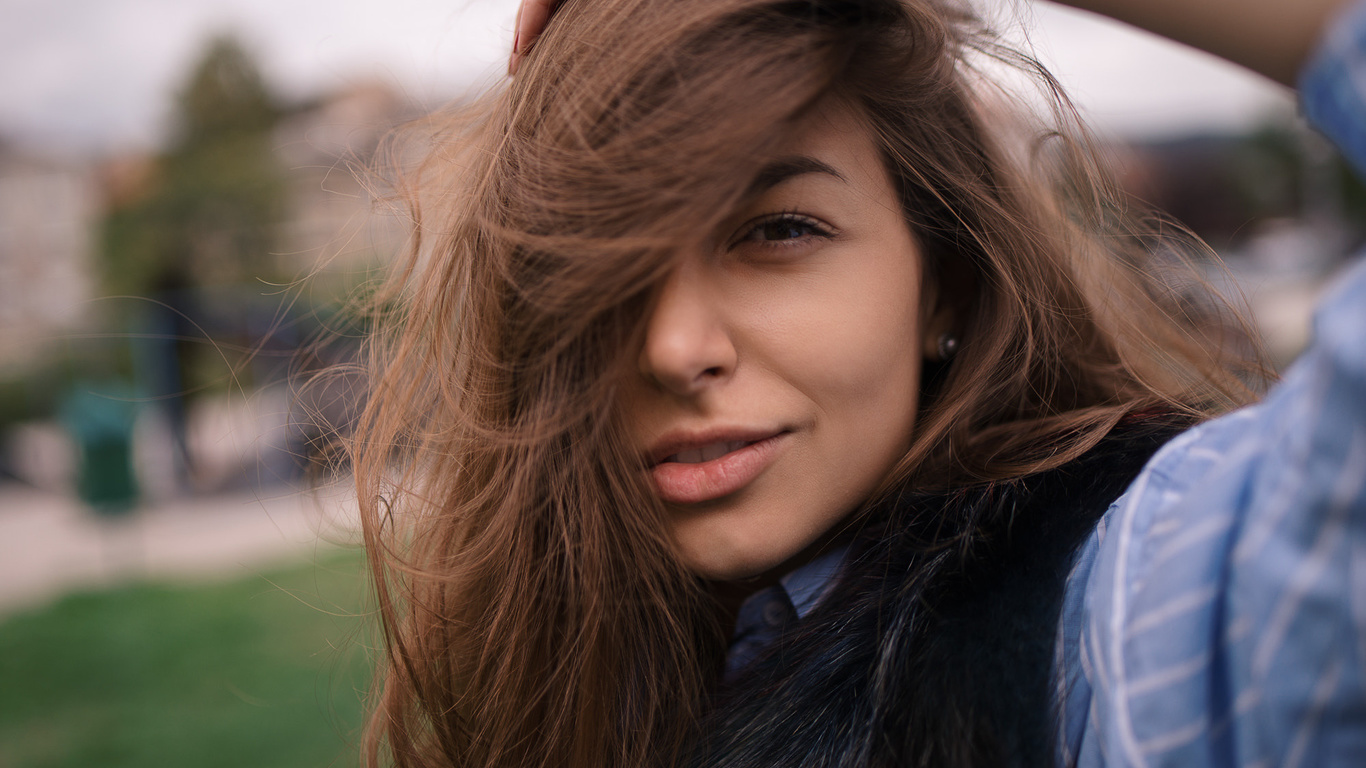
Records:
x=775, y=613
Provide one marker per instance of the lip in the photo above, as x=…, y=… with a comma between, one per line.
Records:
x=680, y=483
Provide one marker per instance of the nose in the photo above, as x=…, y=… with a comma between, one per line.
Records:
x=688, y=346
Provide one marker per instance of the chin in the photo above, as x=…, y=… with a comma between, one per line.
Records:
x=725, y=558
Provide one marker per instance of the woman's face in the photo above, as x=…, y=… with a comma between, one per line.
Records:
x=781, y=365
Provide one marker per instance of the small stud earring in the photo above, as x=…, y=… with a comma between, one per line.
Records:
x=948, y=346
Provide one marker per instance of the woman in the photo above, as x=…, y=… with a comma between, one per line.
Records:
x=757, y=391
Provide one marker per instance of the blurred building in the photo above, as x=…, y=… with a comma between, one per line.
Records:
x=327, y=148
x=49, y=212
x=1280, y=208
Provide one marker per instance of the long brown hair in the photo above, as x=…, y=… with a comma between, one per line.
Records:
x=534, y=610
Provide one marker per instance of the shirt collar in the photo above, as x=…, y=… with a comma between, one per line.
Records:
x=807, y=584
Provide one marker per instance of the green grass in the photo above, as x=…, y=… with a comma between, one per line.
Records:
x=267, y=671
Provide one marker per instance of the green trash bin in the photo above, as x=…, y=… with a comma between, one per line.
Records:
x=100, y=417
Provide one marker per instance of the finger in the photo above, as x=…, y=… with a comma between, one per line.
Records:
x=531, y=20
x=534, y=15
x=516, y=39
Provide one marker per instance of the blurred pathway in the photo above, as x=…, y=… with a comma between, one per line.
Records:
x=50, y=545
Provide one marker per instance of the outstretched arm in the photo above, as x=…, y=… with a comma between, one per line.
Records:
x=1273, y=37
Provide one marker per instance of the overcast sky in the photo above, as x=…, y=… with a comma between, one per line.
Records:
x=97, y=74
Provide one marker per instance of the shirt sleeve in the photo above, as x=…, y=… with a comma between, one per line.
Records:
x=1333, y=84
x=1224, y=618
x=1218, y=615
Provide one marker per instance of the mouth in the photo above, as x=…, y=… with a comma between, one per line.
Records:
x=698, y=469
x=705, y=453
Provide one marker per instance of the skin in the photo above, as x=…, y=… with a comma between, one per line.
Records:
x=805, y=317
x=531, y=18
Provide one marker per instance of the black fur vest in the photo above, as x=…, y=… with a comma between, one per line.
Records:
x=934, y=646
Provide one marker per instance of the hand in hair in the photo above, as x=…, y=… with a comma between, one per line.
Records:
x=532, y=16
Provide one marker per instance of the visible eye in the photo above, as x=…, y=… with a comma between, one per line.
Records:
x=783, y=228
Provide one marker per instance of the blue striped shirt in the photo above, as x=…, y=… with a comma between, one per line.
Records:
x=1217, y=615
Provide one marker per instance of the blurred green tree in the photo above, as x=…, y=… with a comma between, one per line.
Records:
x=200, y=225
x=209, y=211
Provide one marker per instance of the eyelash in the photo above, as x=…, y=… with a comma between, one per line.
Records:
x=812, y=227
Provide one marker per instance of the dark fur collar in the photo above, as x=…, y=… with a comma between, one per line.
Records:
x=935, y=645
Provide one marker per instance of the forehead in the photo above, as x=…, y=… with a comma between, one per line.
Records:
x=832, y=124
x=831, y=144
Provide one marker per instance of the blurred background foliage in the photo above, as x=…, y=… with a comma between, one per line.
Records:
x=207, y=210
x=210, y=282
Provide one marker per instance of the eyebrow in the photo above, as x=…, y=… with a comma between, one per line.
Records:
x=785, y=168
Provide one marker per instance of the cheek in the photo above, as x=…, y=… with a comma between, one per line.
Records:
x=868, y=393
x=849, y=343
x=867, y=353
x=849, y=337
